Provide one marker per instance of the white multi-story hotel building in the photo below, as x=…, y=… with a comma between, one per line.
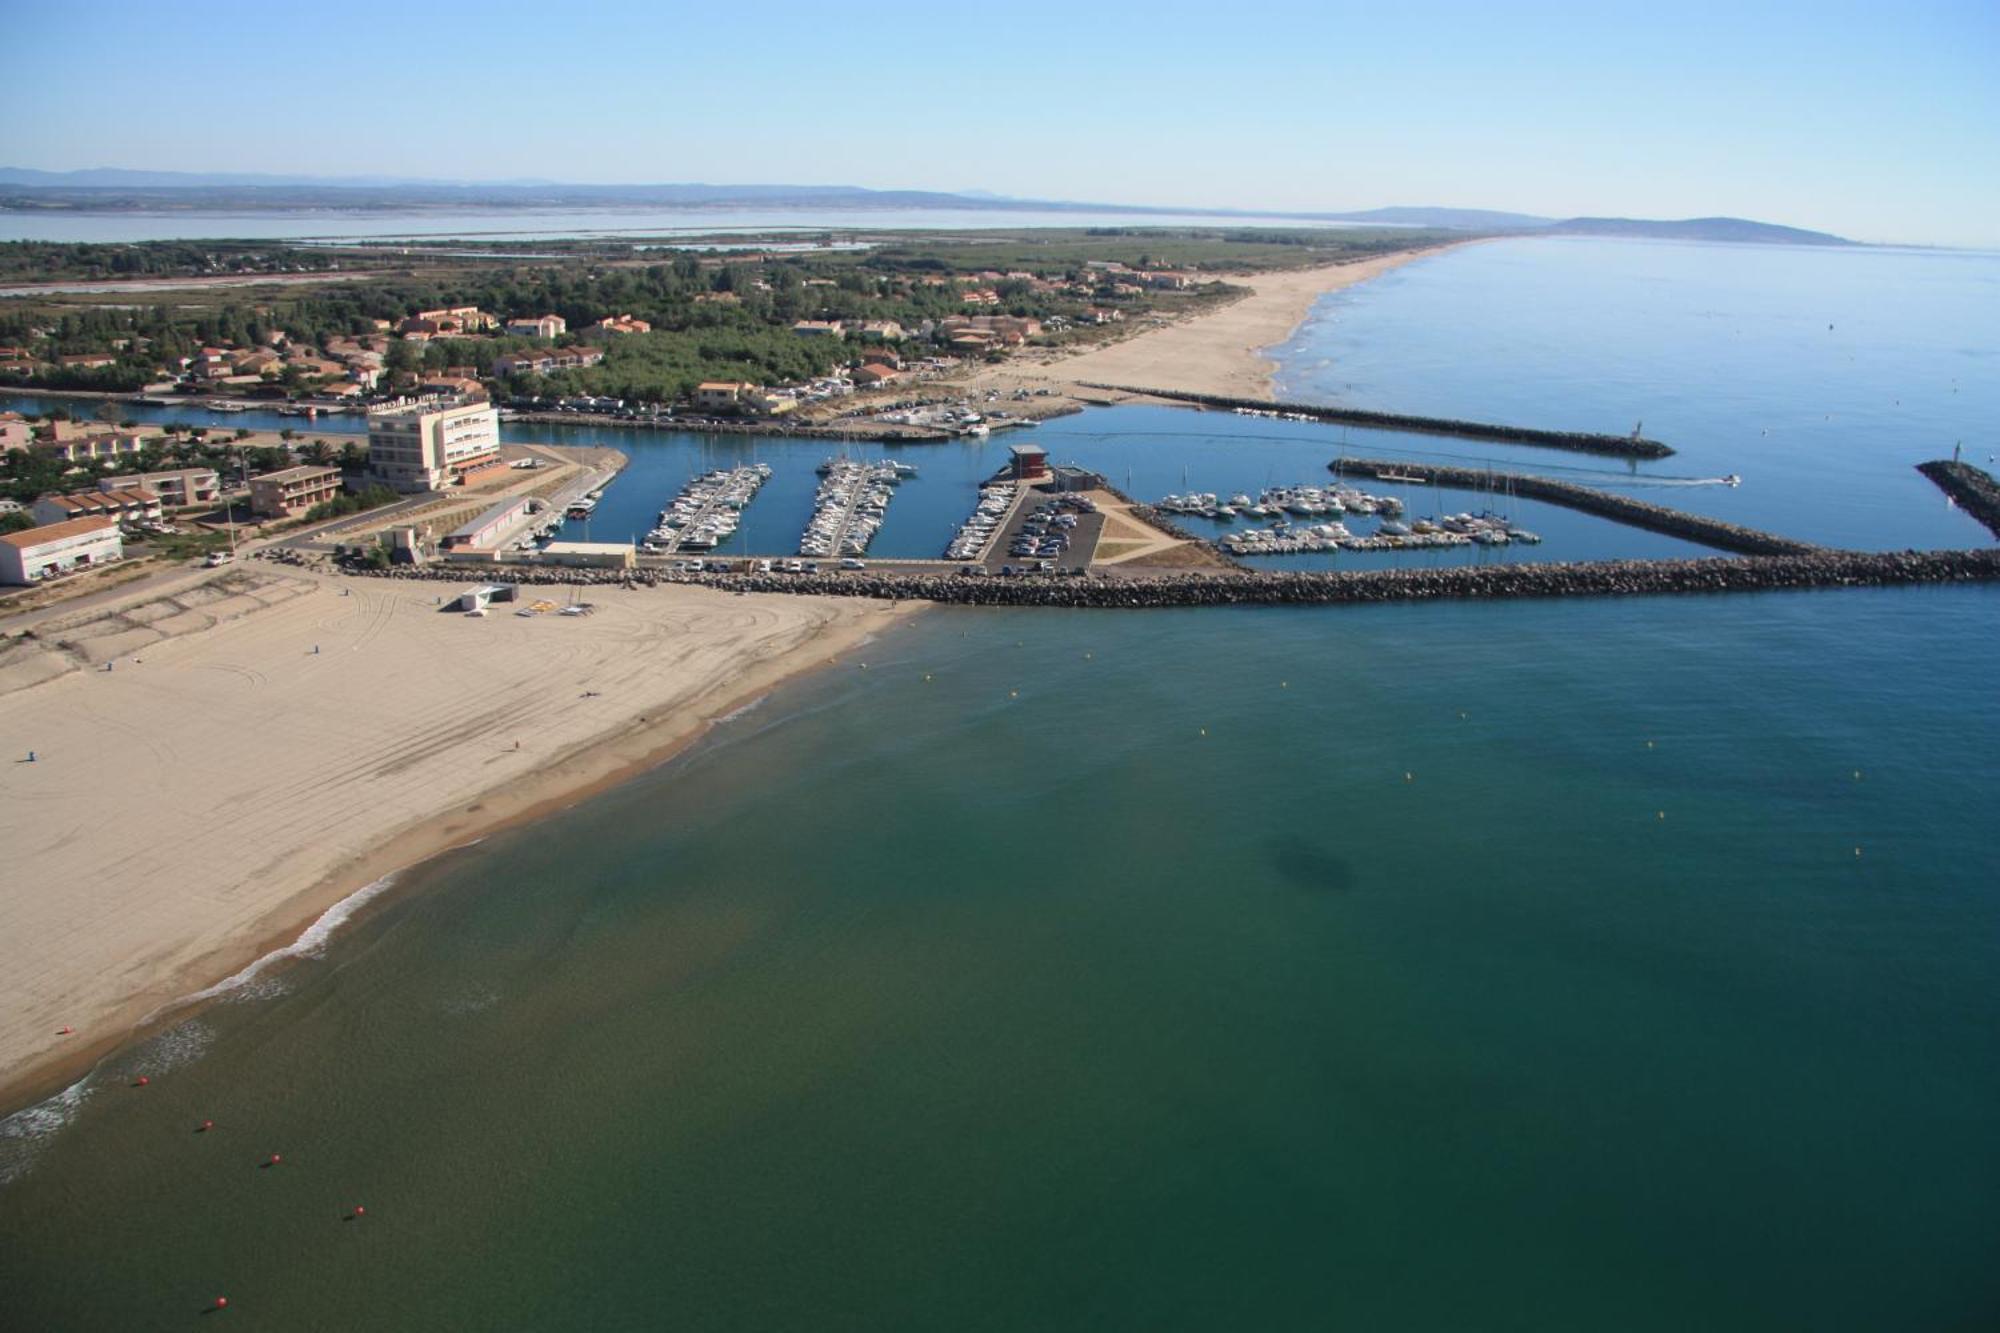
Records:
x=428, y=447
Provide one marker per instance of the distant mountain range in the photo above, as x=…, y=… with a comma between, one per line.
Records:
x=112, y=189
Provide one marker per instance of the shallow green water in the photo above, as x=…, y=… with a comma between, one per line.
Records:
x=1009, y=999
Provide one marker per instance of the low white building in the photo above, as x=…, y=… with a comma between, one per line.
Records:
x=58, y=548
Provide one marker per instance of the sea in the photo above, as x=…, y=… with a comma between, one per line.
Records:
x=1600, y=964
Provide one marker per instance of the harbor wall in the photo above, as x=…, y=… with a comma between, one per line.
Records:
x=1589, y=442
x=1973, y=488
x=1621, y=508
x=1603, y=578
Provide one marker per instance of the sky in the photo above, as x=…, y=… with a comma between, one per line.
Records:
x=1880, y=122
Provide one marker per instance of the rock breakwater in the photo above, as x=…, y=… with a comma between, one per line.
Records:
x=1973, y=488
x=1603, y=578
x=1589, y=442
x=1621, y=508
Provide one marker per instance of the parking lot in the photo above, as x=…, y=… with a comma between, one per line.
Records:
x=1044, y=526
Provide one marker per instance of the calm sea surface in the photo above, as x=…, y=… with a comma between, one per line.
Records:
x=1585, y=965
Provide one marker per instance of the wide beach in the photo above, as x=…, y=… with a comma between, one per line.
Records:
x=1221, y=352
x=292, y=739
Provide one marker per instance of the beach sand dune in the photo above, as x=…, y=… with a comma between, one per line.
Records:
x=264, y=747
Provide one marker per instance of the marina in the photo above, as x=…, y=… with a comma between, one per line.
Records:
x=848, y=509
x=1278, y=501
x=976, y=534
x=708, y=510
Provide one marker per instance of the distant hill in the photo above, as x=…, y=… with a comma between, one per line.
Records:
x=1699, y=229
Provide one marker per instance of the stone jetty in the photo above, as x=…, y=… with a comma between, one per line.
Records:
x=1589, y=442
x=1603, y=578
x=1973, y=488
x=1620, y=508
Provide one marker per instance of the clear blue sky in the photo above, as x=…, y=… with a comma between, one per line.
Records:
x=1879, y=121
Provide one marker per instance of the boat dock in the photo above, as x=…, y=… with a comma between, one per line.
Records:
x=707, y=511
x=975, y=536
x=849, y=506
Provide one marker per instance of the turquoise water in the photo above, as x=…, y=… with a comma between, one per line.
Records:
x=1414, y=967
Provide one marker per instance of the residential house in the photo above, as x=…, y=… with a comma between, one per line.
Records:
x=177, y=489
x=81, y=441
x=130, y=505
x=722, y=395
x=628, y=324
x=545, y=361
x=87, y=360
x=15, y=433
x=453, y=320
x=539, y=326
x=819, y=328
x=876, y=372
x=461, y=387
x=290, y=492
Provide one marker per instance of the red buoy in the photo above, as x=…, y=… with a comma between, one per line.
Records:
x=275, y=1159
x=359, y=1211
x=64, y=1032
x=143, y=1081
x=206, y=1125
x=222, y=1302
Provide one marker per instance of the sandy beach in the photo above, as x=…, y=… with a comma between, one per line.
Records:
x=1220, y=352
x=284, y=745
